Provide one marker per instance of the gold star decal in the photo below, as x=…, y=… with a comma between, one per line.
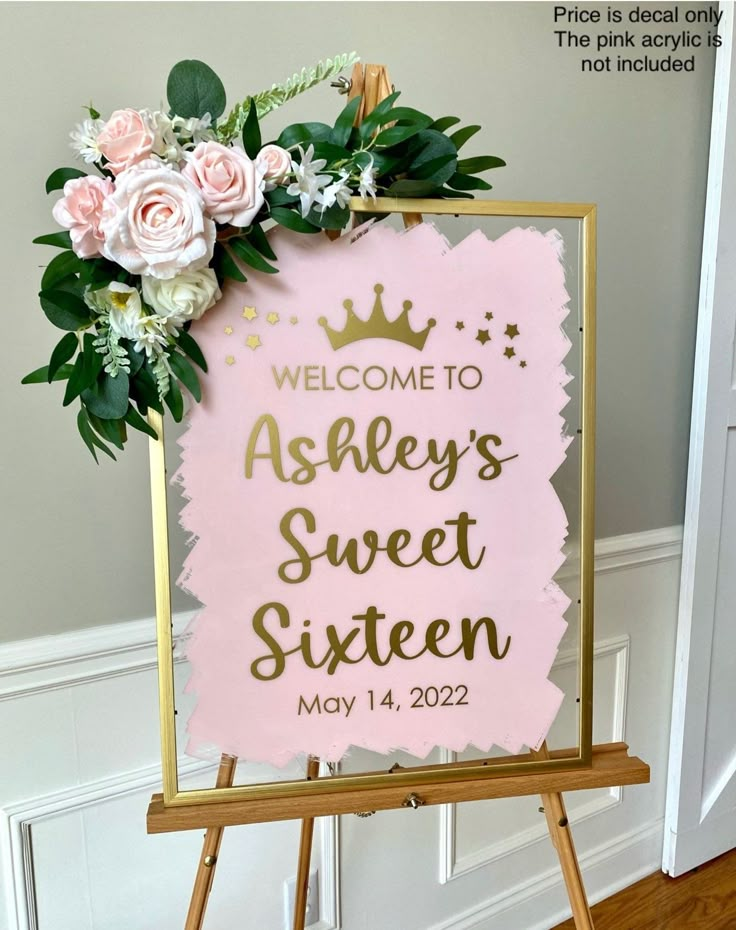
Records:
x=294, y=320
x=509, y=353
x=228, y=330
x=522, y=364
x=230, y=360
x=511, y=330
x=459, y=325
x=489, y=315
x=483, y=336
x=273, y=318
x=250, y=313
x=253, y=342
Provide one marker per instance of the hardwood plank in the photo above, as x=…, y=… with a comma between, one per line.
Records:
x=704, y=899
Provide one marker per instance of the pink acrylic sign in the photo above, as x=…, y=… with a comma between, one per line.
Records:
x=368, y=489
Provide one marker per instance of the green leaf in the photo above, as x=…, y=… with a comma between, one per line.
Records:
x=292, y=220
x=462, y=135
x=447, y=194
x=61, y=240
x=428, y=170
x=144, y=391
x=89, y=437
x=65, y=310
x=466, y=182
x=86, y=369
x=228, y=266
x=61, y=266
x=107, y=399
x=409, y=115
x=409, y=188
x=331, y=153
x=98, y=272
x=252, y=132
x=41, y=375
x=174, y=401
x=444, y=122
x=377, y=117
x=112, y=430
x=186, y=374
x=344, y=123
x=481, y=163
x=136, y=358
x=335, y=217
x=396, y=134
x=428, y=146
x=187, y=344
x=258, y=238
x=65, y=348
x=298, y=133
x=57, y=179
x=194, y=89
x=279, y=197
x=250, y=255
x=137, y=422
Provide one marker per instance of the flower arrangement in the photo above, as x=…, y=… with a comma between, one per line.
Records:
x=177, y=204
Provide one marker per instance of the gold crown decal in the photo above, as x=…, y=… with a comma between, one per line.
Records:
x=376, y=326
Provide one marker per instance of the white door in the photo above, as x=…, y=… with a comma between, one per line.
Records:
x=700, y=820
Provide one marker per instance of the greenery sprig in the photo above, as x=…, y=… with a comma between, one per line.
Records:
x=127, y=348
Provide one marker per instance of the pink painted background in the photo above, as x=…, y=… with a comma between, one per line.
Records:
x=231, y=569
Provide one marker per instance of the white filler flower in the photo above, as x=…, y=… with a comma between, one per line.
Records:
x=336, y=193
x=307, y=182
x=84, y=140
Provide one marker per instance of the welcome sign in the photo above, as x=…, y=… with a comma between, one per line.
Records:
x=368, y=490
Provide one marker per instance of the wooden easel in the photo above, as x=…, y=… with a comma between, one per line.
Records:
x=611, y=765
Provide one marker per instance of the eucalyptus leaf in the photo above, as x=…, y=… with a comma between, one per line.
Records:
x=107, y=399
x=462, y=135
x=292, y=220
x=334, y=217
x=174, y=401
x=188, y=345
x=344, y=123
x=410, y=188
x=57, y=179
x=466, y=182
x=61, y=240
x=252, y=132
x=444, y=123
x=64, y=309
x=480, y=163
x=378, y=116
x=65, y=348
x=396, y=134
x=299, y=133
x=135, y=420
x=144, y=391
x=91, y=440
x=113, y=430
x=61, y=266
x=194, y=89
x=279, y=198
x=186, y=374
x=259, y=240
x=428, y=146
x=86, y=370
x=250, y=255
x=434, y=168
x=41, y=375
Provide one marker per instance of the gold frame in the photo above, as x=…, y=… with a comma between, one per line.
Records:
x=430, y=774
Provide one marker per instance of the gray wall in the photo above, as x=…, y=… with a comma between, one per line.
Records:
x=76, y=537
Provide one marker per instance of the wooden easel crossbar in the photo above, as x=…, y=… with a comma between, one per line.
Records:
x=546, y=773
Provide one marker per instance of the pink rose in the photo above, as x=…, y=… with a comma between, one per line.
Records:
x=154, y=222
x=125, y=139
x=80, y=211
x=228, y=180
x=274, y=163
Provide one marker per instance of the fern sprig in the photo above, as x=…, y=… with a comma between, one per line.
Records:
x=278, y=94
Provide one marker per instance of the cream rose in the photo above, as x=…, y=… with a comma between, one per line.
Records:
x=80, y=210
x=185, y=297
x=125, y=139
x=228, y=181
x=154, y=222
x=274, y=164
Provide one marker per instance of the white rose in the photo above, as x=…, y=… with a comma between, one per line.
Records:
x=185, y=297
x=154, y=222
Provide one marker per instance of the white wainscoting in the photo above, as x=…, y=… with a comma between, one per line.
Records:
x=80, y=761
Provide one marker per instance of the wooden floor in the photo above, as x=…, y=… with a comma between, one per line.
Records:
x=704, y=899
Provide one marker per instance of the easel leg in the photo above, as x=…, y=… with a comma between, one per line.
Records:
x=559, y=831
x=210, y=850
x=305, y=855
